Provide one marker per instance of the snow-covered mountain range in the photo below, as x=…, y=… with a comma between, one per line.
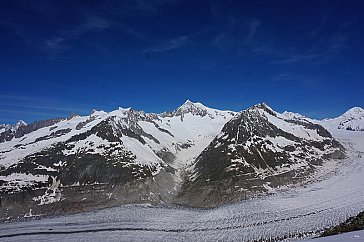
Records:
x=193, y=155
x=126, y=136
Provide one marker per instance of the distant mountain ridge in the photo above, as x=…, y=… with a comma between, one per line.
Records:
x=193, y=155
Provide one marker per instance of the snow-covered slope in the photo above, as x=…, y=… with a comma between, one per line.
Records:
x=352, y=120
x=191, y=127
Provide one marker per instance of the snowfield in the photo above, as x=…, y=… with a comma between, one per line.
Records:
x=336, y=194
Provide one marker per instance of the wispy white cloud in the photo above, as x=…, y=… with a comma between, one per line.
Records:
x=151, y=5
x=19, y=114
x=36, y=106
x=321, y=54
x=133, y=8
x=318, y=29
x=170, y=44
x=223, y=41
x=91, y=23
x=318, y=46
x=317, y=50
x=285, y=78
x=54, y=108
x=236, y=32
x=54, y=43
x=214, y=9
x=19, y=30
x=253, y=26
x=12, y=98
x=175, y=43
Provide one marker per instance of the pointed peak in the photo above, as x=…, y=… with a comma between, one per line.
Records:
x=130, y=110
x=292, y=115
x=124, y=109
x=354, y=112
x=127, y=112
x=191, y=107
x=95, y=112
x=73, y=116
x=21, y=122
x=262, y=106
x=266, y=106
x=189, y=104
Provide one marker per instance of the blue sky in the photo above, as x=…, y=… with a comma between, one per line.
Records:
x=62, y=57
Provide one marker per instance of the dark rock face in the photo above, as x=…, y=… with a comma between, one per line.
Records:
x=166, y=155
x=82, y=124
x=53, y=135
x=6, y=135
x=252, y=155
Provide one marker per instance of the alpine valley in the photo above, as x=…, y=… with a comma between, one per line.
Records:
x=193, y=156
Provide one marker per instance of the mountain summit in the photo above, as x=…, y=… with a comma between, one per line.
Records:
x=352, y=120
x=355, y=112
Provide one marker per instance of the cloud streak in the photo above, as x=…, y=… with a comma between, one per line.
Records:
x=44, y=107
x=18, y=106
x=237, y=33
x=285, y=51
x=253, y=26
x=334, y=47
x=92, y=23
x=168, y=45
x=132, y=8
x=286, y=78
